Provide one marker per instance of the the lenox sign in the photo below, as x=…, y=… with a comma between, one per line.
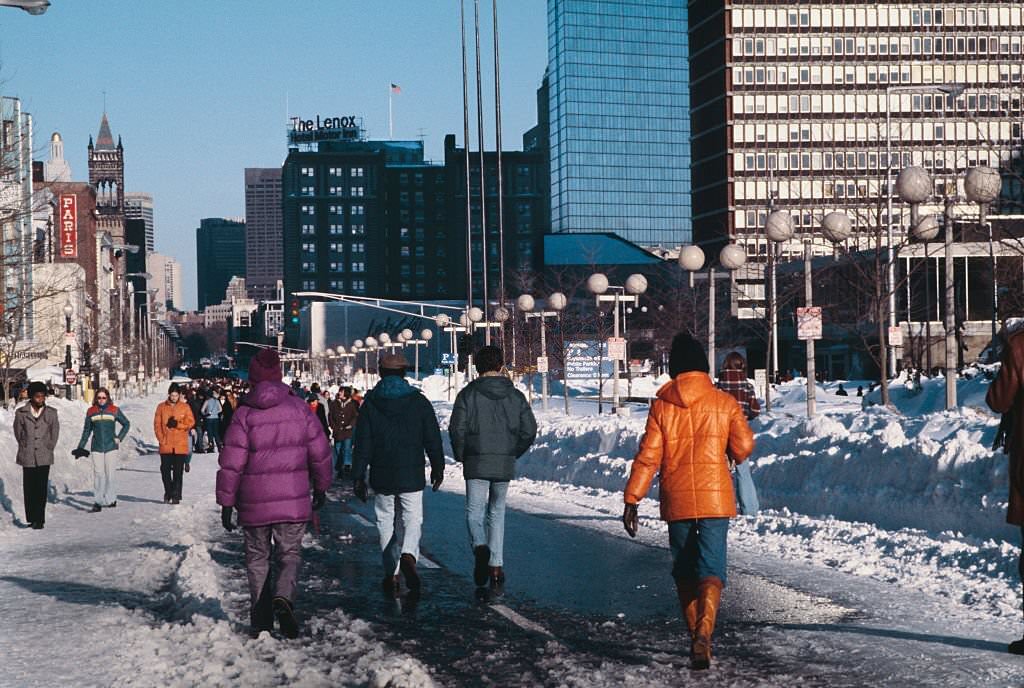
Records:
x=299, y=124
x=325, y=129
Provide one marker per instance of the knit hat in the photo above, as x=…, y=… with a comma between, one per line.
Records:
x=265, y=367
x=36, y=387
x=687, y=355
x=393, y=362
x=174, y=388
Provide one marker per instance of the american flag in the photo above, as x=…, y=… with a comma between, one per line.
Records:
x=395, y=88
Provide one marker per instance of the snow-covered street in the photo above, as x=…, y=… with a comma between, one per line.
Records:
x=148, y=594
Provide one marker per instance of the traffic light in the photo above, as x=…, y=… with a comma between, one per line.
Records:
x=295, y=311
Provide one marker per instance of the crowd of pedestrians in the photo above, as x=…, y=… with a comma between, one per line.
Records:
x=282, y=446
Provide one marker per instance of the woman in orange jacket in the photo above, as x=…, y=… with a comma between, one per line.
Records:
x=693, y=429
x=171, y=423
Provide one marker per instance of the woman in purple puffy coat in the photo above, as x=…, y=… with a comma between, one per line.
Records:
x=273, y=449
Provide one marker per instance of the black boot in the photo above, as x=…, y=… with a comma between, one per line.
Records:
x=1016, y=647
x=408, y=568
x=286, y=618
x=261, y=616
x=481, y=570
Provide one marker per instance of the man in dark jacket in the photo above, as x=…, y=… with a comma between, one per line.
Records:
x=1006, y=396
x=36, y=429
x=342, y=419
x=396, y=427
x=491, y=426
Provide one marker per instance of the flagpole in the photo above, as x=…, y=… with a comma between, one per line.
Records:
x=483, y=185
x=391, y=119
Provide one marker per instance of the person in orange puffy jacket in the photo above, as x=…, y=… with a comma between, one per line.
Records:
x=172, y=422
x=693, y=429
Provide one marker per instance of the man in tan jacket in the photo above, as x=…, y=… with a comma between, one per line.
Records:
x=1005, y=397
x=693, y=429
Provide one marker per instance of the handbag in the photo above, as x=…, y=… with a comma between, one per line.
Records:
x=746, y=493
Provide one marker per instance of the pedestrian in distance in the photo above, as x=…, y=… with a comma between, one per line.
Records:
x=195, y=404
x=733, y=381
x=342, y=419
x=692, y=431
x=396, y=427
x=274, y=448
x=101, y=421
x=1006, y=396
x=491, y=426
x=211, y=422
x=172, y=422
x=841, y=391
x=317, y=407
x=229, y=403
x=36, y=429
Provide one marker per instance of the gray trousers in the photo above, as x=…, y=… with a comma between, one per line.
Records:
x=287, y=551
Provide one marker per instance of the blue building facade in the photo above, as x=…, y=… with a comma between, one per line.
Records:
x=619, y=109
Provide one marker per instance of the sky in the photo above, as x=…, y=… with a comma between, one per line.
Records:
x=199, y=90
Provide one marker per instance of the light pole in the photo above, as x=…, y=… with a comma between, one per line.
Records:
x=69, y=310
x=915, y=186
x=636, y=285
x=953, y=90
x=557, y=302
x=34, y=7
x=982, y=186
x=731, y=257
x=777, y=229
x=837, y=228
x=526, y=304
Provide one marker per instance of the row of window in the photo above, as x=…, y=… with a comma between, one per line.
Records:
x=828, y=131
x=805, y=190
x=354, y=172
x=921, y=74
x=860, y=46
x=860, y=104
x=334, y=210
x=882, y=15
x=356, y=266
x=334, y=191
x=807, y=161
x=357, y=286
x=309, y=229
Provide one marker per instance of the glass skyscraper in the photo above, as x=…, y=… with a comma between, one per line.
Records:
x=620, y=123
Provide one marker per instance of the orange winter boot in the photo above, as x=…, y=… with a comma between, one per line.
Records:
x=709, y=596
x=687, y=591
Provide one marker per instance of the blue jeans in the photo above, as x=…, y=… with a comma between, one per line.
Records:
x=212, y=426
x=343, y=453
x=399, y=525
x=485, y=515
x=698, y=548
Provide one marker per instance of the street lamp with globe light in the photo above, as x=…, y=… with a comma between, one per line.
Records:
x=982, y=185
x=526, y=304
x=731, y=257
x=629, y=293
x=557, y=302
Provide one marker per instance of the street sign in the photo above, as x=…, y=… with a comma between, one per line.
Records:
x=542, y=364
x=617, y=348
x=587, y=360
x=896, y=336
x=122, y=376
x=449, y=359
x=760, y=382
x=70, y=377
x=70, y=339
x=808, y=323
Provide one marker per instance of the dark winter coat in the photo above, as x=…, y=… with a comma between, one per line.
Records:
x=491, y=426
x=342, y=418
x=36, y=437
x=273, y=449
x=101, y=422
x=317, y=407
x=396, y=427
x=1006, y=396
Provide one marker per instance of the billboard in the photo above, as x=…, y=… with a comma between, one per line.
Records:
x=587, y=360
x=67, y=209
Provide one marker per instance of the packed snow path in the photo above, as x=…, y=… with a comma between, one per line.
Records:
x=150, y=594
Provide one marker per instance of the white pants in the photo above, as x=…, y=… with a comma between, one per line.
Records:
x=103, y=465
x=399, y=523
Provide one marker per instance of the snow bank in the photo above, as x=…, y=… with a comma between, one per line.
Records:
x=933, y=471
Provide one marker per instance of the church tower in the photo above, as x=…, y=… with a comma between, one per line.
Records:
x=106, y=173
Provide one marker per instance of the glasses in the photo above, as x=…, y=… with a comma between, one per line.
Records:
x=101, y=397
